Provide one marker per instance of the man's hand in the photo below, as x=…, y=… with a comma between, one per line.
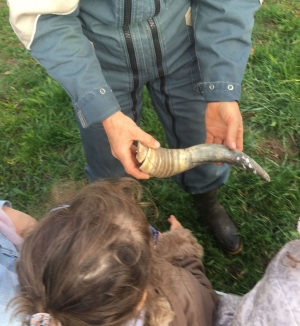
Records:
x=122, y=132
x=224, y=124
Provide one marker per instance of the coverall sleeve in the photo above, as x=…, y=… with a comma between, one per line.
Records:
x=223, y=43
x=52, y=32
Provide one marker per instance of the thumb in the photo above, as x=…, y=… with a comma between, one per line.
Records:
x=147, y=140
x=232, y=134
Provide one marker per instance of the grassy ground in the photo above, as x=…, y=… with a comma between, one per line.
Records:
x=40, y=144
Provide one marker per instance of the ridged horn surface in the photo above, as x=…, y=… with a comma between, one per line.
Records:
x=163, y=162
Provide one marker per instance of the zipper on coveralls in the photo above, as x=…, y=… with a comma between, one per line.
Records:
x=131, y=53
x=161, y=73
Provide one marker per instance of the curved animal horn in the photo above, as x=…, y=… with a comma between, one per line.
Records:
x=164, y=162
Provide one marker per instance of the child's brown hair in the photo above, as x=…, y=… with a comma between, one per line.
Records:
x=90, y=263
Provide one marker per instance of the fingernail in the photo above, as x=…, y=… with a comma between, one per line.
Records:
x=233, y=144
x=156, y=144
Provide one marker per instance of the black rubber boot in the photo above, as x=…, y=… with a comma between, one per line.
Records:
x=213, y=214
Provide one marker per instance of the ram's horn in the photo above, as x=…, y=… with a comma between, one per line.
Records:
x=164, y=162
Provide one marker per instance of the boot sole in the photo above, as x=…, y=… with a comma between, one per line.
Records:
x=236, y=252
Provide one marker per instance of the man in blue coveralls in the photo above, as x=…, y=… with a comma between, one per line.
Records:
x=191, y=55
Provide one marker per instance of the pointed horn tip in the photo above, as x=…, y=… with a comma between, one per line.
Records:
x=264, y=175
x=247, y=163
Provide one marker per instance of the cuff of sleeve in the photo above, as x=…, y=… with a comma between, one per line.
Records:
x=96, y=105
x=5, y=203
x=220, y=91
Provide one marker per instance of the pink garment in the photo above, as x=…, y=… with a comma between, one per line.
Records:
x=8, y=229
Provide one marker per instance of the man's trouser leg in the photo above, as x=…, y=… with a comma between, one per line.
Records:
x=182, y=116
x=180, y=107
x=181, y=110
x=183, y=121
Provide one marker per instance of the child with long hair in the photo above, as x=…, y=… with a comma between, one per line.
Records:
x=93, y=261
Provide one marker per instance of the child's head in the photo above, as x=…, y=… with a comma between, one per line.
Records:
x=89, y=263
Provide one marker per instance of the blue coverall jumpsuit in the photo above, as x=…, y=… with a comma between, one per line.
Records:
x=187, y=53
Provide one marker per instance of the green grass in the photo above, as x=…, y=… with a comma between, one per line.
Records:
x=40, y=144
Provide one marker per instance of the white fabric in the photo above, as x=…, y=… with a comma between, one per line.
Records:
x=24, y=15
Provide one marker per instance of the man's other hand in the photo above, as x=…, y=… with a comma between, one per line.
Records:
x=224, y=124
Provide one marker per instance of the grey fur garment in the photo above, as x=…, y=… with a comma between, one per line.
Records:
x=274, y=301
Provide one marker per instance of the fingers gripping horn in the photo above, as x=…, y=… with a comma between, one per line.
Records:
x=163, y=162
